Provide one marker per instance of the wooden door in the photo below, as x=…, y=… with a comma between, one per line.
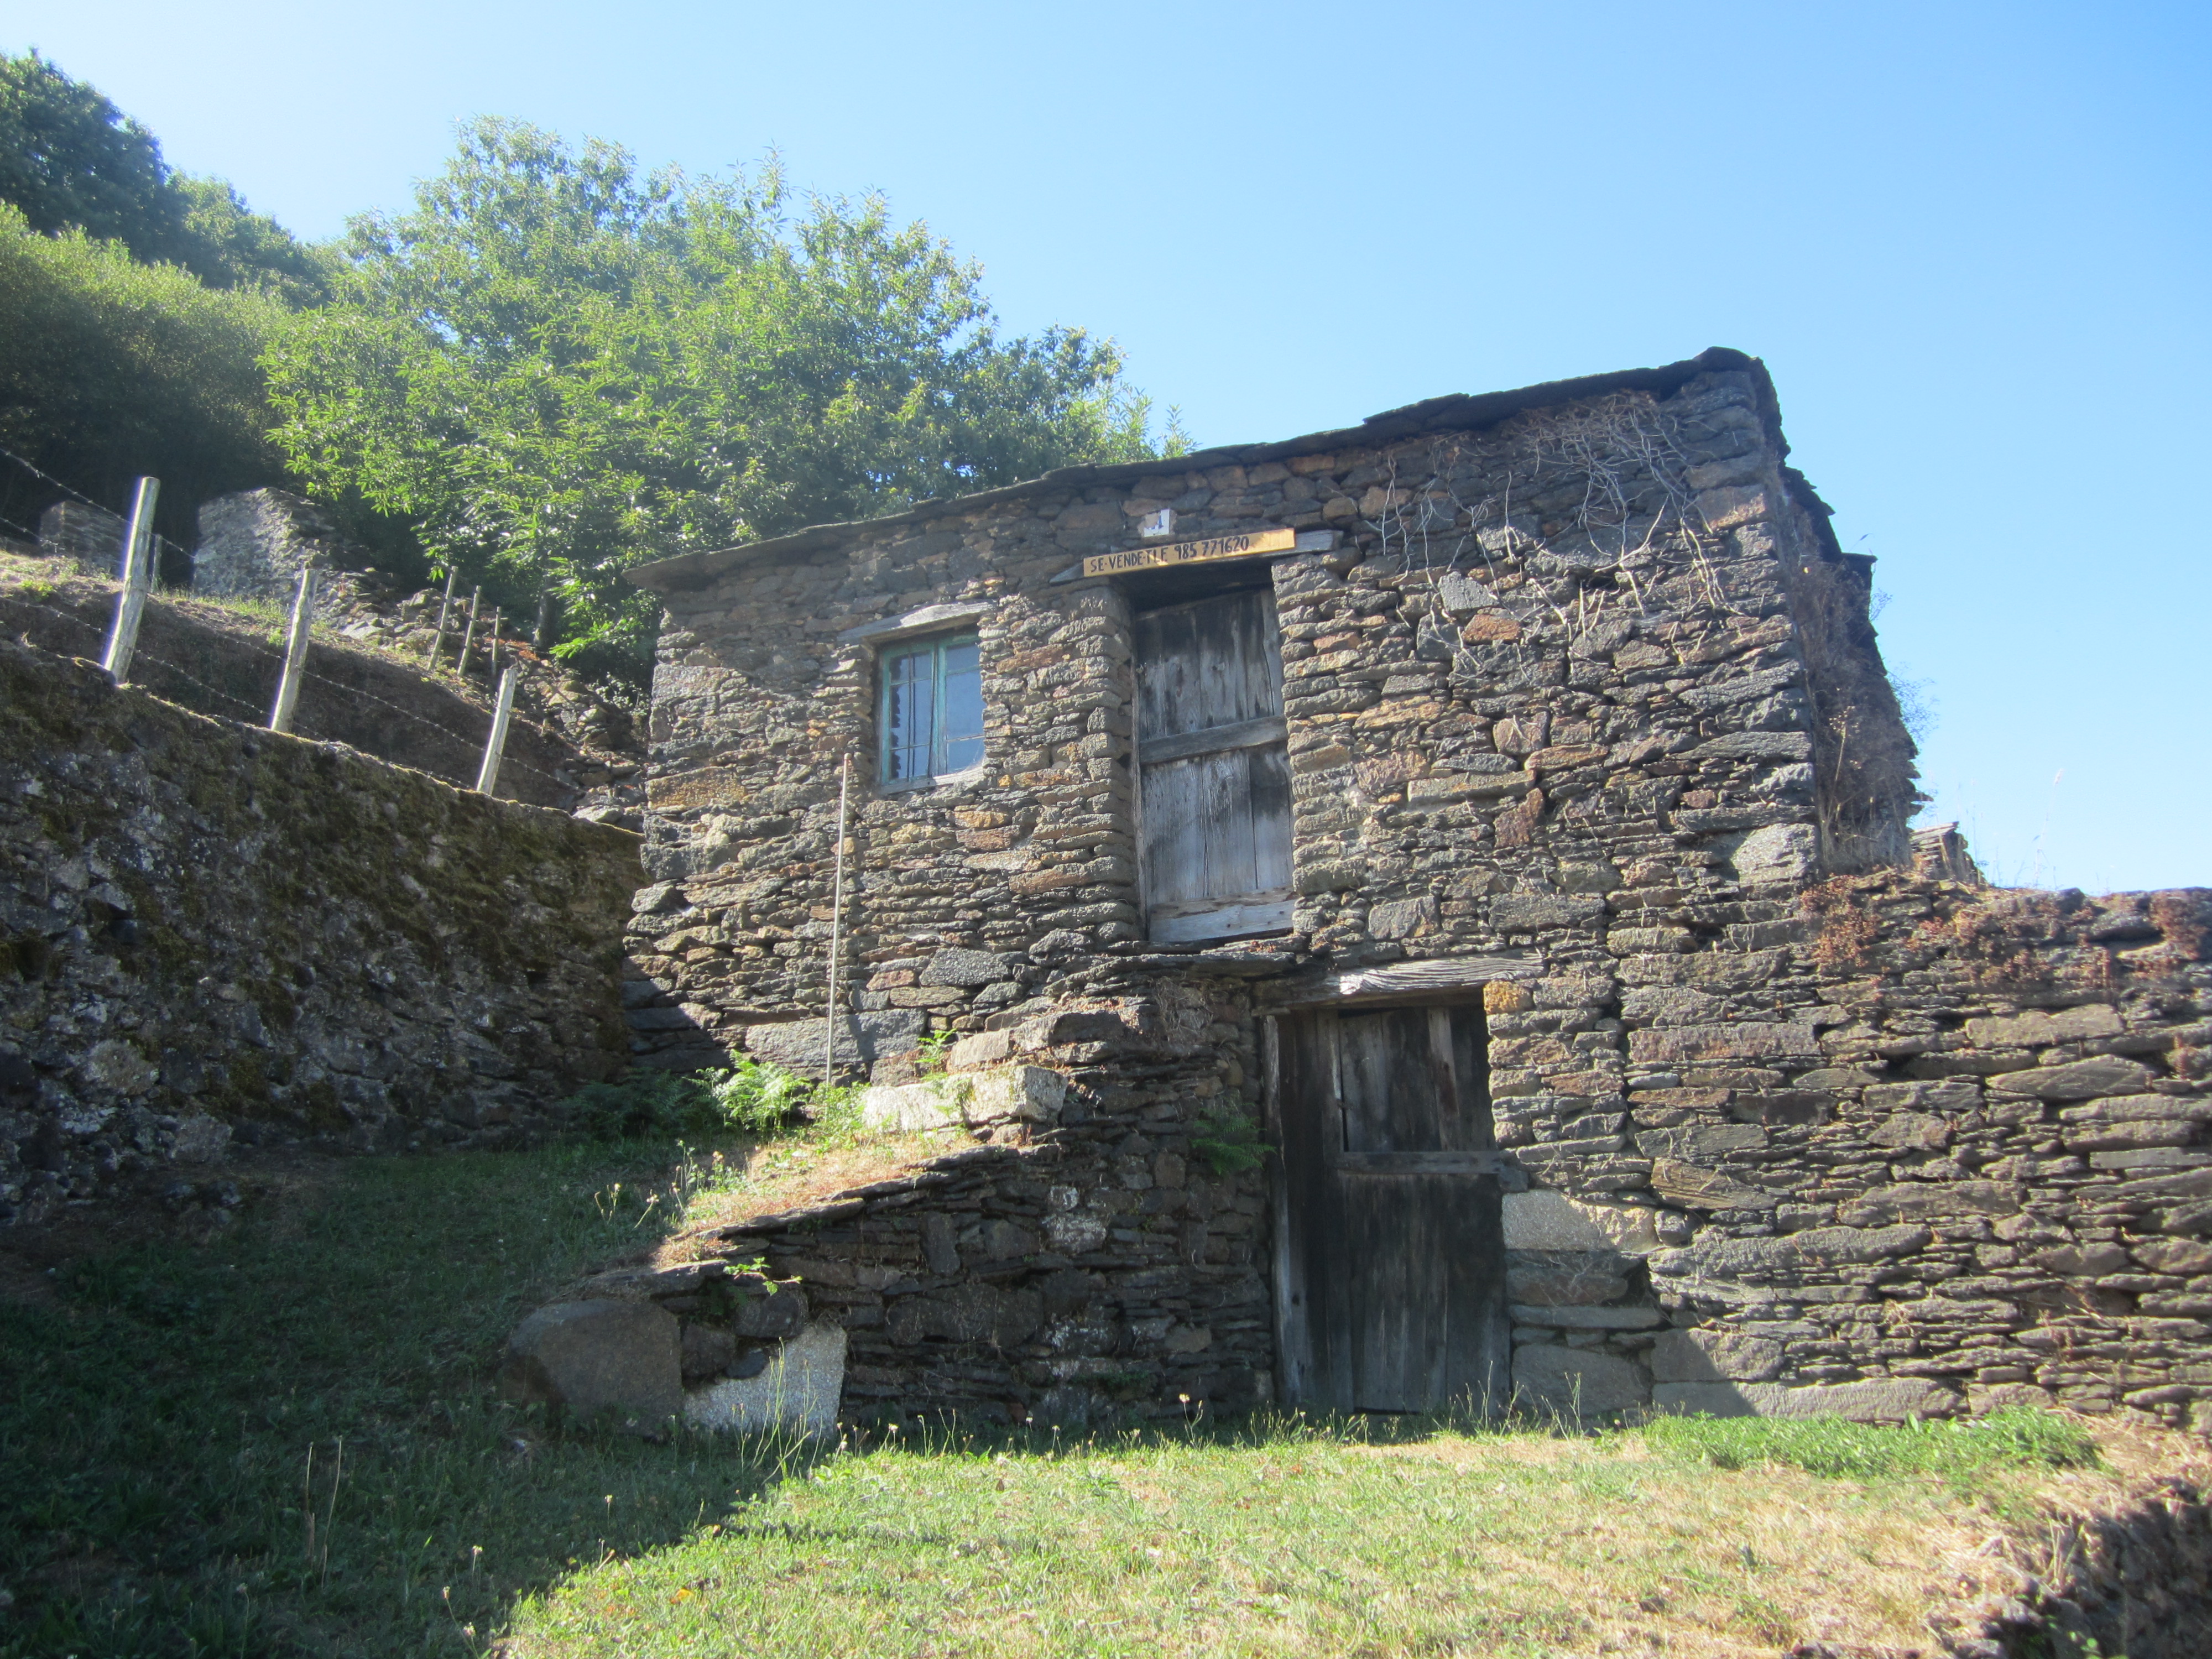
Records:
x=1213, y=770
x=1390, y=1251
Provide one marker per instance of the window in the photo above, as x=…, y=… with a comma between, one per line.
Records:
x=932, y=708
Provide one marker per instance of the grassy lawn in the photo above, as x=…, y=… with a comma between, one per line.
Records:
x=283, y=1440
x=1289, y=1537
x=164, y=1400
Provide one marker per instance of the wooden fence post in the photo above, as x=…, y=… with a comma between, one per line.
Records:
x=491, y=663
x=295, y=652
x=137, y=577
x=446, y=604
x=469, y=635
x=496, y=744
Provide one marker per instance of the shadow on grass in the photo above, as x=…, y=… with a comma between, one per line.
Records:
x=285, y=1440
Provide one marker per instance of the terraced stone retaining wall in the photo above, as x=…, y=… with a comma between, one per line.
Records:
x=209, y=933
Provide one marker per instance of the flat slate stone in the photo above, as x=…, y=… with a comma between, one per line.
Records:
x=1712, y=1355
x=798, y=1391
x=1577, y=1380
x=861, y=1038
x=2083, y=1079
x=1877, y=1400
x=1583, y=1317
x=966, y=969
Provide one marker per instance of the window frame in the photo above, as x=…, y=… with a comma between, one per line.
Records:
x=936, y=648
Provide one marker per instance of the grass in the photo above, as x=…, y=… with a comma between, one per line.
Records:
x=283, y=1440
x=1967, y=1452
x=1285, y=1536
x=156, y=1496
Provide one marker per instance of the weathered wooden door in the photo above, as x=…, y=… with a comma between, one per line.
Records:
x=1213, y=772
x=1390, y=1251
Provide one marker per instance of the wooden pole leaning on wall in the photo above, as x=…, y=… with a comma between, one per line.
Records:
x=295, y=652
x=836, y=916
x=445, y=607
x=495, y=744
x=137, y=576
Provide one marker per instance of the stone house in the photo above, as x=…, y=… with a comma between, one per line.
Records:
x=1431, y=910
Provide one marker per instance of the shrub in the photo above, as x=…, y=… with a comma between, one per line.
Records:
x=115, y=369
x=1226, y=1138
x=750, y=1099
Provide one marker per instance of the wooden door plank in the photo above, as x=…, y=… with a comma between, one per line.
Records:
x=1174, y=865
x=1227, y=835
x=1421, y=1163
x=1222, y=919
x=1293, y=1339
x=1238, y=734
x=1270, y=773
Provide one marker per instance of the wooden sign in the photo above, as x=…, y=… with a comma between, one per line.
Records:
x=1248, y=546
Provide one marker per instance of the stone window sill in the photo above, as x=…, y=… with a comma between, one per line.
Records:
x=936, y=781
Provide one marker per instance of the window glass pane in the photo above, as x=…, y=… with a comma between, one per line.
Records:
x=960, y=718
x=908, y=709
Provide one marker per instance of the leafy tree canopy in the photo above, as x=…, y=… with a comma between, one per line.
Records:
x=70, y=159
x=114, y=368
x=558, y=367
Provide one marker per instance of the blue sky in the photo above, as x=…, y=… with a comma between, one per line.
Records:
x=1969, y=240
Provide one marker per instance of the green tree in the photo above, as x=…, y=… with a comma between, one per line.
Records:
x=558, y=367
x=115, y=367
x=228, y=245
x=70, y=159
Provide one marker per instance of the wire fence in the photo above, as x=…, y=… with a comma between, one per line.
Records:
x=354, y=692
x=44, y=477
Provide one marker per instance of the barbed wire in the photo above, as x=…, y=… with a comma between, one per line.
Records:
x=99, y=632
x=308, y=673
x=36, y=471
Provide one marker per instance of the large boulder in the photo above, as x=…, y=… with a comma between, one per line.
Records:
x=605, y=1356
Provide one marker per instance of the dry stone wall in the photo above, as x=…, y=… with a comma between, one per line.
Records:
x=1538, y=659
x=1089, y=1257
x=214, y=933
x=1584, y=707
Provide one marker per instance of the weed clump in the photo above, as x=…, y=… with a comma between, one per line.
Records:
x=750, y=1097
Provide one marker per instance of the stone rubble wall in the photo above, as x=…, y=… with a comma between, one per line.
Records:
x=1087, y=1257
x=721, y=1348
x=1586, y=696
x=216, y=934
x=90, y=537
x=254, y=546
x=1547, y=660
x=1945, y=1145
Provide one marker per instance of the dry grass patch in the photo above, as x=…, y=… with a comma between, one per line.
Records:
x=1293, y=1538
x=764, y=1178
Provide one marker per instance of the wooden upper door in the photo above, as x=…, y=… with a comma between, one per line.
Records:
x=1213, y=768
x=1391, y=1243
